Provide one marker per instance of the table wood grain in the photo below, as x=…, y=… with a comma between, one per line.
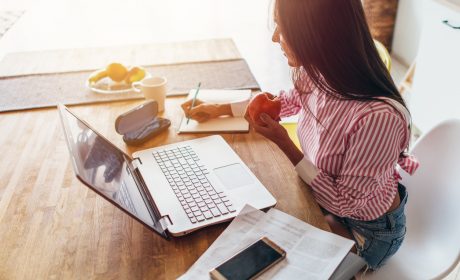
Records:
x=53, y=227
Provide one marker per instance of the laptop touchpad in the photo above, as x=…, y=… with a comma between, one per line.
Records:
x=233, y=176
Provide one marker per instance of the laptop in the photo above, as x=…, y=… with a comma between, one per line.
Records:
x=173, y=189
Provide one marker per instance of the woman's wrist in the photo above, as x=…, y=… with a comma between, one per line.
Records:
x=304, y=167
x=224, y=109
x=290, y=150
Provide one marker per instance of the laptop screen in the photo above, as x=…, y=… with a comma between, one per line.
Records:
x=104, y=168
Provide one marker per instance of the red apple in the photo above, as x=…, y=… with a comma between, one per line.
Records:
x=264, y=103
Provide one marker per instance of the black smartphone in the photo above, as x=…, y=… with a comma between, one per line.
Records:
x=250, y=262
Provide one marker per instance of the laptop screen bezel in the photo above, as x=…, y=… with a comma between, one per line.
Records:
x=148, y=202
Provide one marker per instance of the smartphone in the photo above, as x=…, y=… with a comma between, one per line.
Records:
x=250, y=262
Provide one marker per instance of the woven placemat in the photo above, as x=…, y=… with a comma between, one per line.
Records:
x=47, y=90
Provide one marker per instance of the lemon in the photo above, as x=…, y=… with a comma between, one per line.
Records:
x=135, y=74
x=116, y=71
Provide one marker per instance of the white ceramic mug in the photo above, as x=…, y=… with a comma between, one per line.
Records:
x=153, y=88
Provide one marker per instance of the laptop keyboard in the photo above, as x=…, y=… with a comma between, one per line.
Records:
x=187, y=178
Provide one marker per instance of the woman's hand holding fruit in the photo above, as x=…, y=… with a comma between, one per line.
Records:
x=262, y=114
x=264, y=102
x=269, y=128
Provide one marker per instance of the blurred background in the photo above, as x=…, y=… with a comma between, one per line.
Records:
x=62, y=24
x=27, y=25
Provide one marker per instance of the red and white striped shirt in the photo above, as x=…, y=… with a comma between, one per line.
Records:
x=354, y=148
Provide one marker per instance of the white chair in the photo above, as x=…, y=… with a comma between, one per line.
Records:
x=431, y=249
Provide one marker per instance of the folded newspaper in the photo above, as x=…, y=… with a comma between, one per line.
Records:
x=311, y=252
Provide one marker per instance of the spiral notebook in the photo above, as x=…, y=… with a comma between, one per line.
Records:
x=221, y=124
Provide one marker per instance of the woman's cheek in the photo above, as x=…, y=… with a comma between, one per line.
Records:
x=291, y=59
x=292, y=62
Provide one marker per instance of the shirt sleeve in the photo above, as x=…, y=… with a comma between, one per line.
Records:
x=374, y=146
x=290, y=103
x=306, y=170
x=239, y=108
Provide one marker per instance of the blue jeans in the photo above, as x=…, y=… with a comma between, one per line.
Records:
x=379, y=239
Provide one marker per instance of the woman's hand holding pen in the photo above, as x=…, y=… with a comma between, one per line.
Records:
x=275, y=132
x=202, y=111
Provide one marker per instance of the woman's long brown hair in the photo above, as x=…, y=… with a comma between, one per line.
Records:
x=332, y=42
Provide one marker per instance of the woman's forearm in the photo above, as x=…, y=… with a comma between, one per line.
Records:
x=291, y=151
x=224, y=109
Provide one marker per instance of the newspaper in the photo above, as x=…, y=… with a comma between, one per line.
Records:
x=311, y=252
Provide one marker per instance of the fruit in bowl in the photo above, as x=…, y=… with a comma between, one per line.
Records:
x=97, y=76
x=117, y=72
x=264, y=102
x=134, y=74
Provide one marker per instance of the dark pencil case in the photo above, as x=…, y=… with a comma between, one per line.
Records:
x=141, y=123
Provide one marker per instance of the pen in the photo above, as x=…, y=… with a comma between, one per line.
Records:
x=194, y=98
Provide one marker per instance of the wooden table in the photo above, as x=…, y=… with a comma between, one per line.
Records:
x=53, y=227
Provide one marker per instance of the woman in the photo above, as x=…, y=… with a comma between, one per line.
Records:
x=354, y=127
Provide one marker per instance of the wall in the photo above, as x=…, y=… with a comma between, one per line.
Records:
x=407, y=30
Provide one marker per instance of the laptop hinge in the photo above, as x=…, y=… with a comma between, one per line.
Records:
x=165, y=222
x=136, y=162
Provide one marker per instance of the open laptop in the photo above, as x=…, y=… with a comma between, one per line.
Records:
x=173, y=189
